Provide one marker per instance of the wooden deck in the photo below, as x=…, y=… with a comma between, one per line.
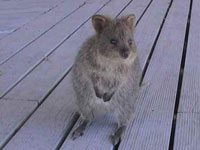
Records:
x=15, y=13
x=38, y=43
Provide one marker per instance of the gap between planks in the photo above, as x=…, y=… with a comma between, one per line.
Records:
x=47, y=55
x=30, y=42
x=34, y=28
x=3, y=144
x=186, y=12
x=138, y=21
x=46, y=11
x=154, y=44
x=180, y=80
x=146, y=64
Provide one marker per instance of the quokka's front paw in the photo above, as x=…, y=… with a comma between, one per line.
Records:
x=107, y=96
x=98, y=93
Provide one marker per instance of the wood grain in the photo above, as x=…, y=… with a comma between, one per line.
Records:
x=35, y=28
x=21, y=65
x=187, y=133
x=190, y=95
x=12, y=113
x=152, y=126
x=54, y=116
x=17, y=13
x=95, y=134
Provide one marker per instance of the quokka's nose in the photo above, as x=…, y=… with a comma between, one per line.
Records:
x=125, y=53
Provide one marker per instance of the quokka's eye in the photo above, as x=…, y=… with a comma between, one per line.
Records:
x=113, y=41
x=130, y=42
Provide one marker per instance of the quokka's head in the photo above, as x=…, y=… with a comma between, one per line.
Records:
x=115, y=36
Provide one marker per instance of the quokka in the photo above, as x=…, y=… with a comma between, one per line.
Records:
x=106, y=73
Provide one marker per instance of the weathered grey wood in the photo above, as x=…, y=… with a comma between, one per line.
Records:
x=18, y=13
x=19, y=66
x=190, y=95
x=151, y=128
x=53, y=117
x=96, y=136
x=187, y=131
x=46, y=127
x=187, y=135
x=15, y=20
x=109, y=120
x=32, y=30
x=12, y=113
x=135, y=7
x=61, y=60
x=24, y=4
x=110, y=126
x=64, y=56
x=51, y=120
x=3, y=34
x=148, y=27
x=152, y=125
x=24, y=10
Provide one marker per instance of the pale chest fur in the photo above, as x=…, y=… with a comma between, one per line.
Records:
x=114, y=68
x=109, y=76
x=111, y=73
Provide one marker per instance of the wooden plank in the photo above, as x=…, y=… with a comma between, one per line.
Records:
x=187, y=134
x=95, y=136
x=12, y=113
x=55, y=65
x=23, y=4
x=145, y=43
x=64, y=56
x=190, y=96
x=49, y=121
x=73, y=42
x=20, y=65
x=4, y=34
x=13, y=21
x=187, y=131
x=16, y=17
x=25, y=10
x=54, y=116
x=151, y=128
x=13, y=43
x=95, y=131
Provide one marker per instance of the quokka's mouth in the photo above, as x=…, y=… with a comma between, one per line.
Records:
x=125, y=54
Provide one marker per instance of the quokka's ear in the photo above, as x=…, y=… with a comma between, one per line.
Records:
x=130, y=21
x=99, y=22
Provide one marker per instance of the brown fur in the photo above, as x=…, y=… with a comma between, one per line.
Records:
x=106, y=71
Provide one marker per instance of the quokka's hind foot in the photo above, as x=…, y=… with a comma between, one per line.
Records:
x=79, y=131
x=116, y=137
